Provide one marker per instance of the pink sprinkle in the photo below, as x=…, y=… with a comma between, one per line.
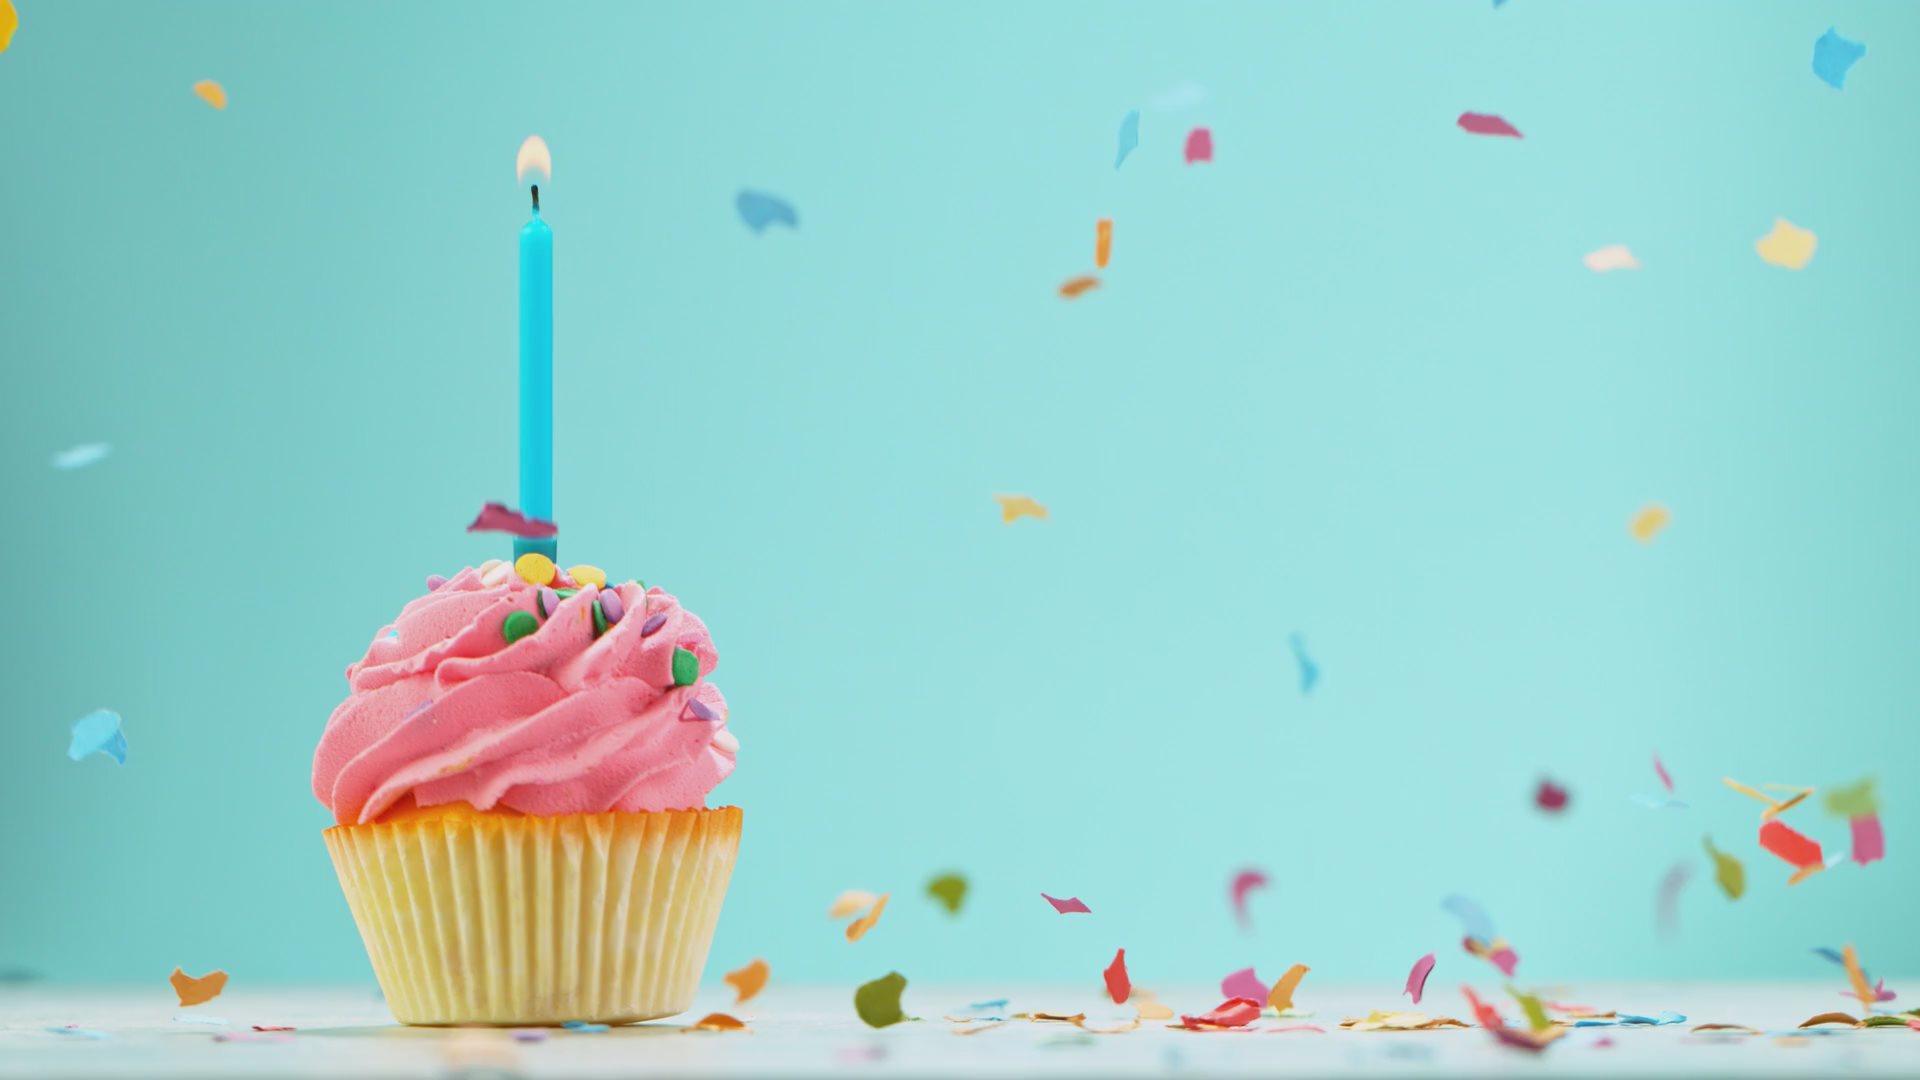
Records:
x=1487, y=124
x=1505, y=959
x=1070, y=906
x=1295, y=1027
x=1243, y=984
x=1199, y=145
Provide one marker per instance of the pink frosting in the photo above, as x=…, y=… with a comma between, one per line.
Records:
x=558, y=722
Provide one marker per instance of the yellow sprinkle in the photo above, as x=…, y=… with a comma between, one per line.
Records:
x=535, y=568
x=1648, y=522
x=211, y=92
x=588, y=575
x=1788, y=245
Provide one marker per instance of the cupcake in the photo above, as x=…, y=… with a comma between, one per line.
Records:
x=519, y=777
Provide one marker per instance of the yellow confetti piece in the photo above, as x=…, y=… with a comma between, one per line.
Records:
x=747, y=982
x=1857, y=977
x=1648, y=522
x=858, y=928
x=9, y=21
x=1280, y=998
x=964, y=1027
x=588, y=575
x=849, y=902
x=1398, y=1021
x=1149, y=1009
x=1727, y=869
x=1015, y=507
x=1102, y=242
x=1788, y=245
x=211, y=92
x=718, y=1022
x=198, y=991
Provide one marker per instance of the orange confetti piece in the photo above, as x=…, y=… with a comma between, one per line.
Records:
x=1649, y=521
x=1281, y=998
x=211, y=92
x=858, y=928
x=1740, y=1029
x=1015, y=507
x=1076, y=286
x=849, y=902
x=1749, y=792
x=1830, y=1018
x=1102, y=242
x=718, y=1022
x=748, y=981
x=1857, y=977
x=198, y=991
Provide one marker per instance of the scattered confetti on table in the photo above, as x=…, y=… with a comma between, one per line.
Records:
x=1199, y=146
x=1611, y=257
x=192, y=991
x=1232, y=1013
x=761, y=211
x=748, y=981
x=1474, y=123
x=878, y=1002
x=79, y=457
x=211, y=92
x=1788, y=245
x=1834, y=56
x=1648, y=522
x=98, y=732
x=1015, y=507
x=950, y=890
x=585, y=1027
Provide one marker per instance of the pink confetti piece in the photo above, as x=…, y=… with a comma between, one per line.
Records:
x=271, y=1027
x=1243, y=882
x=495, y=517
x=1868, y=843
x=1296, y=1027
x=1662, y=770
x=1505, y=959
x=1070, y=906
x=1200, y=145
x=1243, y=984
x=1487, y=124
x=1417, y=978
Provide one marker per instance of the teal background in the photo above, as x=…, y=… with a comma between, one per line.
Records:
x=1351, y=379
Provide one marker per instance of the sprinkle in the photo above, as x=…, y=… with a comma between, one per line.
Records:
x=703, y=711
x=434, y=581
x=79, y=1032
x=612, y=605
x=198, y=991
x=858, y=928
x=547, y=600
x=600, y=627
x=1199, y=145
x=878, y=1002
x=1309, y=671
x=497, y=575
x=1550, y=797
x=760, y=210
x=529, y=1035
x=717, y=1022
x=1666, y=781
x=1474, y=123
x=564, y=593
x=1073, y=287
x=1102, y=242
x=584, y=1027
x=1727, y=869
x=1129, y=136
x=1119, y=987
x=849, y=902
x=1788, y=245
x=495, y=517
x=1417, y=977
x=98, y=732
x=1232, y=1013
x=950, y=890
x=1648, y=522
x=211, y=92
x=1402, y=1021
x=535, y=568
x=1243, y=882
x=686, y=667
x=1833, y=55
x=653, y=624
x=1243, y=984
x=587, y=574
x=1015, y=507
x=1611, y=257
x=1496, y=952
x=78, y=457
x=1070, y=906
x=1796, y=848
x=518, y=625
x=747, y=982
x=1280, y=998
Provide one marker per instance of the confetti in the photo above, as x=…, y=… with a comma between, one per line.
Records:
x=760, y=211
x=79, y=457
x=198, y=991
x=1199, y=145
x=1858, y=977
x=1296, y=1027
x=996, y=1003
x=849, y=902
x=1611, y=257
x=1727, y=870
x=98, y=732
x=717, y=1022
x=529, y=1035
x=1073, y=287
x=1868, y=844
x=1129, y=136
x=1550, y=797
x=1530, y=1006
x=1829, y=1018
x=1666, y=781
x=1856, y=800
x=584, y=1027
x=79, y=1032
x=1655, y=802
x=1119, y=988
x=1496, y=952
x=211, y=92
x=1237, y=890
x=1243, y=984
x=9, y=22
x=1788, y=245
x=1735, y=1029
x=1280, y=999
x=1648, y=522
x=858, y=928
x=950, y=890
x=1102, y=242
x=1184, y=96
x=1473, y=918
x=1309, y=671
x=1232, y=1013
x=878, y=1002
x=747, y=982
x=1797, y=849
x=1417, y=977
x=274, y=1027
x=495, y=517
x=1474, y=123
x=1399, y=1021
x=1833, y=55
x=962, y=1028
x=210, y=1021
x=1148, y=1009
x=1667, y=911
x=1015, y=507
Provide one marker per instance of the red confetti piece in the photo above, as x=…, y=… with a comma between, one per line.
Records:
x=1550, y=797
x=1118, y=986
x=1662, y=770
x=1417, y=978
x=1487, y=124
x=1797, y=849
x=1070, y=906
x=1488, y=1016
x=1200, y=145
x=495, y=517
x=1231, y=1013
x=1244, y=881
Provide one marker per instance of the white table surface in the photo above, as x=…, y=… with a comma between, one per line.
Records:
x=812, y=1031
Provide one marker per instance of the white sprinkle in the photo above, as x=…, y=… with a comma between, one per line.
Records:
x=725, y=742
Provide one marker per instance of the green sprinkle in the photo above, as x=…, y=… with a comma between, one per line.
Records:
x=686, y=667
x=564, y=593
x=599, y=620
x=519, y=625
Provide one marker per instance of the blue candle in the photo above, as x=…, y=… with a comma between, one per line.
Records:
x=536, y=364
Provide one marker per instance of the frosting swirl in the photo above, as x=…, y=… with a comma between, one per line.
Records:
x=444, y=709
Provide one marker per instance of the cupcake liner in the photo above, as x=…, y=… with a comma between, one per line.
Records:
x=476, y=918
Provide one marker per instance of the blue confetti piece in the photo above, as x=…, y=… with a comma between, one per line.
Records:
x=760, y=210
x=1309, y=671
x=1831, y=954
x=1657, y=802
x=996, y=1003
x=81, y=456
x=583, y=1026
x=1662, y=1020
x=1129, y=136
x=80, y=1032
x=98, y=732
x=1833, y=55
x=1473, y=918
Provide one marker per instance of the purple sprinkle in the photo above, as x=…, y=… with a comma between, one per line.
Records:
x=549, y=601
x=653, y=624
x=434, y=581
x=611, y=607
x=415, y=711
x=702, y=710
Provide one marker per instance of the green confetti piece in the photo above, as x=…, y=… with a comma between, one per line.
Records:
x=949, y=889
x=1885, y=1021
x=686, y=667
x=1536, y=1013
x=599, y=620
x=1853, y=802
x=519, y=625
x=1732, y=876
x=878, y=1002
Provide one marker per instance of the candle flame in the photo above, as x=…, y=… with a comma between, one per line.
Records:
x=534, y=158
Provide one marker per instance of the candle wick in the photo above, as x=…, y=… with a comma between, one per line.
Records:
x=536, y=198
